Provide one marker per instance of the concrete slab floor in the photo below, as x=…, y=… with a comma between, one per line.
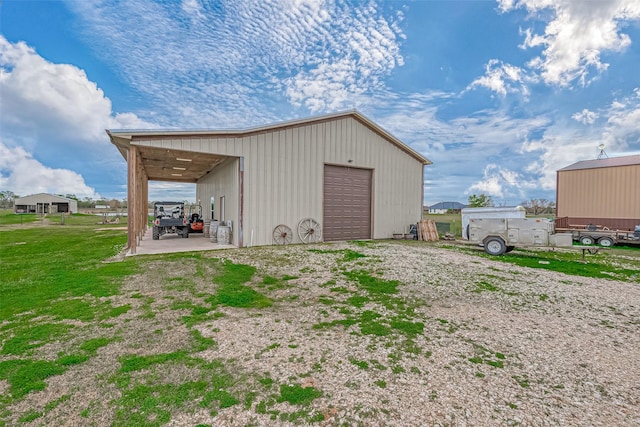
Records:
x=170, y=243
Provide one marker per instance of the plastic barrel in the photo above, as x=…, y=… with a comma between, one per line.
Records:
x=224, y=235
x=213, y=231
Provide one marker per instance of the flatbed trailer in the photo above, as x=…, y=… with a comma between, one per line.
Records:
x=591, y=235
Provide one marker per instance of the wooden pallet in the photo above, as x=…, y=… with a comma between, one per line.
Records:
x=427, y=230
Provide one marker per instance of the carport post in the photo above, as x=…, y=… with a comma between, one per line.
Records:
x=132, y=167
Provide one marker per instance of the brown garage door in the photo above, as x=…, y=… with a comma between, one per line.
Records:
x=347, y=203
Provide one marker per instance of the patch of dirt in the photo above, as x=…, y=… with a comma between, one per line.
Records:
x=500, y=344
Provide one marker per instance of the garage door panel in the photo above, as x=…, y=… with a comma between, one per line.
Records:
x=347, y=203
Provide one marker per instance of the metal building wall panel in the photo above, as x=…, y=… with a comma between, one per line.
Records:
x=599, y=193
x=222, y=181
x=284, y=168
x=397, y=178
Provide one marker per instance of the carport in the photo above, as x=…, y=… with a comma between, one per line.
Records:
x=150, y=163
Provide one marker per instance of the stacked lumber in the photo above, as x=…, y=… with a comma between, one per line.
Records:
x=427, y=230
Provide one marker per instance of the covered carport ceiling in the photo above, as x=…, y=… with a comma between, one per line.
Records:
x=162, y=164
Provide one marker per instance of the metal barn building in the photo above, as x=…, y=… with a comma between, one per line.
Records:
x=44, y=203
x=603, y=192
x=340, y=171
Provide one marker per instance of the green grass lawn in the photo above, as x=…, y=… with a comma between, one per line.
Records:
x=451, y=223
x=60, y=290
x=64, y=298
x=7, y=217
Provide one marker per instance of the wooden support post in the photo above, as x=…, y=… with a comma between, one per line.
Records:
x=132, y=168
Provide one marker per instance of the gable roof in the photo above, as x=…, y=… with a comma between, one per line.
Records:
x=120, y=135
x=604, y=163
x=42, y=198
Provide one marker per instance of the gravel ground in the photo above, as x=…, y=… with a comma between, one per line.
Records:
x=501, y=344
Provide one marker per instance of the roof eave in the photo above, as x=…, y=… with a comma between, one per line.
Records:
x=122, y=137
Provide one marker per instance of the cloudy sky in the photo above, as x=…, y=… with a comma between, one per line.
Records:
x=499, y=94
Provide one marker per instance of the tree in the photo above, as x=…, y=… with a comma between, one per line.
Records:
x=86, y=203
x=479, y=201
x=6, y=199
x=539, y=206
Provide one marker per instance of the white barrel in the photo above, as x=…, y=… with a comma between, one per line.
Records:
x=213, y=231
x=224, y=235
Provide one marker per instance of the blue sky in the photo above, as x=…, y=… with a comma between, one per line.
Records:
x=498, y=94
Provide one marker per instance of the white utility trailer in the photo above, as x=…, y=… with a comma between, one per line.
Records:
x=489, y=212
x=500, y=235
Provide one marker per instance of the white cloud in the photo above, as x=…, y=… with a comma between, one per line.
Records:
x=159, y=191
x=563, y=144
x=575, y=36
x=53, y=100
x=501, y=182
x=490, y=183
x=622, y=131
x=502, y=78
x=585, y=117
x=53, y=111
x=313, y=53
x=24, y=175
x=192, y=8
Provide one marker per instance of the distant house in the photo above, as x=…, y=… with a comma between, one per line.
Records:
x=45, y=204
x=445, y=207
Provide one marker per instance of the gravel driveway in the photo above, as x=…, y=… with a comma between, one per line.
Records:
x=528, y=347
x=388, y=333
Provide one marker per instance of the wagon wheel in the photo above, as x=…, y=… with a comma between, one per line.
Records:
x=282, y=234
x=309, y=231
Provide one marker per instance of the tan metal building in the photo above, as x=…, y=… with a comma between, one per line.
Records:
x=349, y=176
x=45, y=203
x=603, y=192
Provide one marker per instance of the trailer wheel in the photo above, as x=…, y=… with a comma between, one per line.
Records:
x=607, y=242
x=495, y=246
x=587, y=240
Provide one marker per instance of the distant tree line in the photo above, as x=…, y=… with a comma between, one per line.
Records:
x=539, y=207
x=533, y=206
x=89, y=203
x=7, y=199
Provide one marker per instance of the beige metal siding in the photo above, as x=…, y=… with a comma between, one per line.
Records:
x=222, y=182
x=347, y=203
x=599, y=193
x=283, y=178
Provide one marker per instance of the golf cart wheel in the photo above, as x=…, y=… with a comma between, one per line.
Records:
x=156, y=233
x=587, y=240
x=282, y=235
x=185, y=233
x=495, y=246
x=309, y=231
x=607, y=242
